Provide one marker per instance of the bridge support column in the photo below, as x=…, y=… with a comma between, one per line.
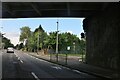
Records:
x=102, y=36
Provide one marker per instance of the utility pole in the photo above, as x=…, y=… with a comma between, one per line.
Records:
x=57, y=39
x=57, y=42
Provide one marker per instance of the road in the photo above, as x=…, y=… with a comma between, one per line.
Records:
x=21, y=65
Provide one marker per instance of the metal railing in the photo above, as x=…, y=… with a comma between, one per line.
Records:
x=67, y=58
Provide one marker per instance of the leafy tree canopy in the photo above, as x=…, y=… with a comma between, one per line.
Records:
x=25, y=33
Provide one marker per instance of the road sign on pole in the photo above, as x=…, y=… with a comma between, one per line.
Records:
x=68, y=48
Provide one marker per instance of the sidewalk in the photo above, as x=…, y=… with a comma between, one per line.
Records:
x=100, y=72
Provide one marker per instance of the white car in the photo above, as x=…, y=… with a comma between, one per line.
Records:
x=10, y=50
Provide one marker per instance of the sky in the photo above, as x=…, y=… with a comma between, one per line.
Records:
x=11, y=27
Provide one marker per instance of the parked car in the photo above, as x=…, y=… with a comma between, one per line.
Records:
x=10, y=50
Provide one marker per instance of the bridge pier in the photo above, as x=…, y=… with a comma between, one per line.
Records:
x=102, y=36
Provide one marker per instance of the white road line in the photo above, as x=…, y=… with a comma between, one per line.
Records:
x=31, y=56
x=77, y=71
x=21, y=61
x=66, y=68
x=36, y=58
x=16, y=55
x=56, y=67
x=18, y=58
x=35, y=76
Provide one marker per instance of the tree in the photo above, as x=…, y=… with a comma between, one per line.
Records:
x=31, y=43
x=25, y=33
x=65, y=40
x=52, y=40
x=39, y=39
x=7, y=42
x=39, y=35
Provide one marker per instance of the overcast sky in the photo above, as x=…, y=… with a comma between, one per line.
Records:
x=11, y=27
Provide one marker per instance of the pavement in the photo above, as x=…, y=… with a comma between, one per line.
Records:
x=20, y=65
x=93, y=70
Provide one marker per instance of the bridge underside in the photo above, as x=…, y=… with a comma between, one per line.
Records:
x=51, y=9
x=102, y=26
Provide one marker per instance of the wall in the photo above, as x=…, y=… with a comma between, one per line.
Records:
x=102, y=36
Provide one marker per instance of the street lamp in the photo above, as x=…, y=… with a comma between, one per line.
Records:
x=57, y=39
x=57, y=42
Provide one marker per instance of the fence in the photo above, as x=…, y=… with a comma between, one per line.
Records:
x=67, y=58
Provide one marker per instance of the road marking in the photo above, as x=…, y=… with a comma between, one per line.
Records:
x=36, y=58
x=21, y=61
x=35, y=76
x=66, y=68
x=31, y=56
x=18, y=58
x=16, y=55
x=77, y=71
x=56, y=67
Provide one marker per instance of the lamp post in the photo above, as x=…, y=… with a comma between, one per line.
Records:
x=57, y=41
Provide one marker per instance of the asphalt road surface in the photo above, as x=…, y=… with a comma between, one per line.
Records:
x=19, y=65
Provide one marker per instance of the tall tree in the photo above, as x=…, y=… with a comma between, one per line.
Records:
x=25, y=33
x=7, y=42
x=31, y=42
x=39, y=35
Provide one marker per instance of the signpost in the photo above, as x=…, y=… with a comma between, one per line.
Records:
x=68, y=48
